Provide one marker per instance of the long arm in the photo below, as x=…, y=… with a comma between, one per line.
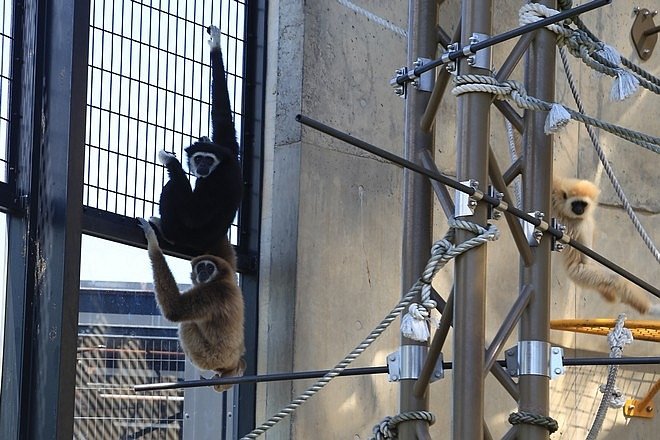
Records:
x=222, y=122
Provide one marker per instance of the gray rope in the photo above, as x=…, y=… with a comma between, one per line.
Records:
x=439, y=257
x=373, y=17
x=528, y=418
x=618, y=337
x=606, y=165
x=513, y=154
x=387, y=428
x=515, y=92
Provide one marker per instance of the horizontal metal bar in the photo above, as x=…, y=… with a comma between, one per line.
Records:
x=274, y=377
x=471, y=49
x=565, y=238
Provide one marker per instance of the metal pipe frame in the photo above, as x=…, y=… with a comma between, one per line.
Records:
x=537, y=184
x=494, y=202
x=417, y=196
x=473, y=131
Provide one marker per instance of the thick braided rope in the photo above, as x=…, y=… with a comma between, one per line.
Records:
x=516, y=93
x=387, y=429
x=584, y=45
x=373, y=17
x=490, y=234
x=567, y=4
x=618, y=337
x=606, y=164
x=528, y=418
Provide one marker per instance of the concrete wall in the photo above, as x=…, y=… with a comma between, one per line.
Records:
x=331, y=246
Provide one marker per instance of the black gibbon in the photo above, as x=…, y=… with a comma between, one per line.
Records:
x=199, y=219
x=210, y=314
x=573, y=203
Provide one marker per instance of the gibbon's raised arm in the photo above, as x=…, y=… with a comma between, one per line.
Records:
x=223, y=130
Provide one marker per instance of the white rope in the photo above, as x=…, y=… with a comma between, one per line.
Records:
x=617, y=338
x=373, y=17
x=606, y=164
x=513, y=155
x=441, y=253
x=515, y=92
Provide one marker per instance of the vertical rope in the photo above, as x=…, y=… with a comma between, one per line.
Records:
x=606, y=165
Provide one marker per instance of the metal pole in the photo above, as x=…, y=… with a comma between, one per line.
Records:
x=473, y=128
x=537, y=181
x=417, y=194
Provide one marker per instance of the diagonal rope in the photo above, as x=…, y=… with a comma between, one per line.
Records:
x=373, y=17
x=440, y=255
x=606, y=165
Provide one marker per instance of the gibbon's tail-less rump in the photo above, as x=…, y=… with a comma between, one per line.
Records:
x=210, y=314
x=573, y=203
x=199, y=219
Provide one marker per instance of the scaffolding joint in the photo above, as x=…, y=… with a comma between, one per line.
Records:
x=466, y=203
x=532, y=232
x=408, y=361
x=480, y=59
x=535, y=358
x=495, y=211
x=557, y=244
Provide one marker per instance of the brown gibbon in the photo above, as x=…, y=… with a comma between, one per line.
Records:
x=573, y=203
x=210, y=314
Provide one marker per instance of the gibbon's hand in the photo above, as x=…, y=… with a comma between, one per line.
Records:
x=214, y=41
x=165, y=157
x=149, y=232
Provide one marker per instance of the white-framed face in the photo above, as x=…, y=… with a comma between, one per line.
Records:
x=205, y=271
x=202, y=163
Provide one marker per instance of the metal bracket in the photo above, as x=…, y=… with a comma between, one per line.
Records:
x=407, y=363
x=644, y=407
x=452, y=66
x=399, y=89
x=465, y=204
x=426, y=80
x=535, y=358
x=495, y=213
x=557, y=245
x=482, y=59
x=533, y=233
x=644, y=32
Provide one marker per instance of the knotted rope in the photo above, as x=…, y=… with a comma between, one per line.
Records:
x=515, y=92
x=618, y=337
x=387, y=428
x=528, y=418
x=441, y=252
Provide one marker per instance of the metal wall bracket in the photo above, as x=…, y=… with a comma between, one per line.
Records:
x=533, y=233
x=557, y=245
x=495, y=213
x=407, y=363
x=464, y=203
x=482, y=59
x=535, y=358
x=644, y=32
x=425, y=82
x=644, y=407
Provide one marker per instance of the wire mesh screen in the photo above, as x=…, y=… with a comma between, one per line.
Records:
x=149, y=89
x=108, y=366
x=5, y=81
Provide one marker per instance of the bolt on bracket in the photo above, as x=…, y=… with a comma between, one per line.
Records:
x=533, y=233
x=425, y=82
x=407, y=363
x=482, y=59
x=465, y=203
x=557, y=245
x=535, y=358
x=495, y=213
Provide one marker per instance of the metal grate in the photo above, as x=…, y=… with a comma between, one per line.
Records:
x=108, y=366
x=6, y=14
x=148, y=89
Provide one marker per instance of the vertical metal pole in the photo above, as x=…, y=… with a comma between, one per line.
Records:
x=473, y=128
x=417, y=194
x=44, y=259
x=537, y=180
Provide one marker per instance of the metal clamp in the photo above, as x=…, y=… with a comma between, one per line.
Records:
x=495, y=212
x=482, y=59
x=407, y=363
x=426, y=80
x=452, y=66
x=533, y=233
x=465, y=203
x=557, y=245
x=535, y=358
x=399, y=89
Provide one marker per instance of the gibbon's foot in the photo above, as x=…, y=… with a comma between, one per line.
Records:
x=214, y=41
x=205, y=140
x=165, y=157
x=157, y=225
x=237, y=372
x=149, y=233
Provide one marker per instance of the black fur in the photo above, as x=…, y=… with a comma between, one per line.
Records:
x=199, y=218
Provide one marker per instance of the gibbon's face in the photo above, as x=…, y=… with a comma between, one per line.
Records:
x=202, y=164
x=204, y=271
x=575, y=198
